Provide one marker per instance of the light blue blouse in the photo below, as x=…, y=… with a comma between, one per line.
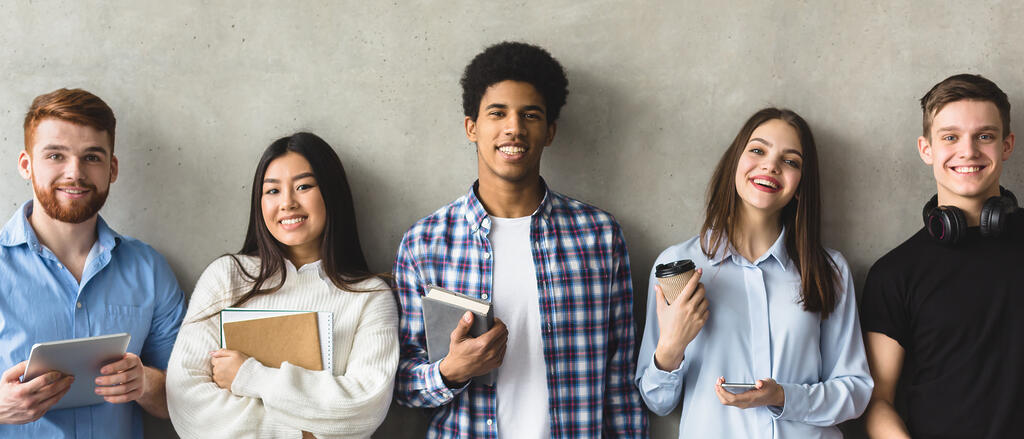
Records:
x=757, y=329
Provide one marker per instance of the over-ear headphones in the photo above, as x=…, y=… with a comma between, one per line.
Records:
x=947, y=224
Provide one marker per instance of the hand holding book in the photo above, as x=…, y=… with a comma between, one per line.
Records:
x=226, y=363
x=469, y=357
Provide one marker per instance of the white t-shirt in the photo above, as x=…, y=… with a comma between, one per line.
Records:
x=522, y=384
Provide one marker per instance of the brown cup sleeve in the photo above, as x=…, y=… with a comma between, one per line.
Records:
x=672, y=286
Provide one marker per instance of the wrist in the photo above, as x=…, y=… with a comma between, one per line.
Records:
x=667, y=359
x=450, y=378
x=780, y=396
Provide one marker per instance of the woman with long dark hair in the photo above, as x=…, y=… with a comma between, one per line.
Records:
x=768, y=305
x=301, y=252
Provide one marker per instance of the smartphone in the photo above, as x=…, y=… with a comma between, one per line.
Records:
x=738, y=387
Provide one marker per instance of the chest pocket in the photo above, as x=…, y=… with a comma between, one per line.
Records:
x=132, y=319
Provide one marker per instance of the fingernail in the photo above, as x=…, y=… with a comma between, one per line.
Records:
x=466, y=316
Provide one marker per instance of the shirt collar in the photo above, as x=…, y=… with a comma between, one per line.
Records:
x=478, y=218
x=316, y=266
x=777, y=251
x=19, y=231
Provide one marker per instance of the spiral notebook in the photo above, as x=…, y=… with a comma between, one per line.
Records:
x=324, y=329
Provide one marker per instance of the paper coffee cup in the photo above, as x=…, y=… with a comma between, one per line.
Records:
x=673, y=276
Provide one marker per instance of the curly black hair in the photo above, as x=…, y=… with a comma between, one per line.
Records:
x=516, y=62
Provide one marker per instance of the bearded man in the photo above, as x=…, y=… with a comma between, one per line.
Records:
x=65, y=274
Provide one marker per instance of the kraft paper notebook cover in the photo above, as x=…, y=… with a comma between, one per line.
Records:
x=325, y=319
x=273, y=337
x=442, y=310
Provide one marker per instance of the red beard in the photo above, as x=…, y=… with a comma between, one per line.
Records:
x=78, y=210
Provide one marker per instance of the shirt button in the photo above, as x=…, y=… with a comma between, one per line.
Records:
x=483, y=296
x=490, y=422
x=79, y=305
x=487, y=255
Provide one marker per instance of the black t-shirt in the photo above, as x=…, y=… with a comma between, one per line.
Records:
x=958, y=312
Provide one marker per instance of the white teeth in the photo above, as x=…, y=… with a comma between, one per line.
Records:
x=293, y=220
x=967, y=169
x=512, y=150
x=764, y=182
x=74, y=191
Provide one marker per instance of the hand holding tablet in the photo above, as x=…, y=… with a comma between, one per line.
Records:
x=83, y=358
x=121, y=381
x=24, y=402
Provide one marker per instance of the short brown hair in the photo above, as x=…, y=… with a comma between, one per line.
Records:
x=964, y=87
x=76, y=106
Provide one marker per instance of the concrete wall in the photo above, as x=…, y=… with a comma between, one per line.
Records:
x=657, y=92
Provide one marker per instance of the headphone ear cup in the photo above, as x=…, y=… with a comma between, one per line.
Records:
x=957, y=223
x=993, y=215
x=930, y=206
x=947, y=224
x=1012, y=199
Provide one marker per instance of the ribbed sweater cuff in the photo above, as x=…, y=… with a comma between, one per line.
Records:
x=249, y=377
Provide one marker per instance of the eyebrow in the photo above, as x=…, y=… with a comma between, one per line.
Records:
x=956, y=128
x=788, y=151
x=53, y=147
x=505, y=107
x=297, y=177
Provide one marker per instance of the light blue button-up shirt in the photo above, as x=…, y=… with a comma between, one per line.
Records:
x=126, y=287
x=757, y=329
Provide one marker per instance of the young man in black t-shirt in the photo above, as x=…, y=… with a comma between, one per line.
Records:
x=943, y=313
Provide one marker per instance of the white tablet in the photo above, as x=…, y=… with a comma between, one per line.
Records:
x=81, y=357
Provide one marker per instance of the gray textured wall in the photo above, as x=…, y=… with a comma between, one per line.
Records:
x=657, y=92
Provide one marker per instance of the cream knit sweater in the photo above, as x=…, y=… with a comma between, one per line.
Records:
x=268, y=402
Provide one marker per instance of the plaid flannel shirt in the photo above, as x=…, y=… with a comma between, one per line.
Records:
x=586, y=309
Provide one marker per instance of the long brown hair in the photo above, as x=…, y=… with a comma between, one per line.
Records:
x=341, y=255
x=819, y=274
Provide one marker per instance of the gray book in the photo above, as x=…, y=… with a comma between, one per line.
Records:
x=442, y=310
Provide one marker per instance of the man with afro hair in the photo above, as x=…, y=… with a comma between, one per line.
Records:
x=555, y=270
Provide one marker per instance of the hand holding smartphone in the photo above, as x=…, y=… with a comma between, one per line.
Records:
x=738, y=387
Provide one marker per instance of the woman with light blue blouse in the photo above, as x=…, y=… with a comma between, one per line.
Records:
x=768, y=305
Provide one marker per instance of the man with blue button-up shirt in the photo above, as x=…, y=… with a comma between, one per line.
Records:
x=65, y=274
x=555, y=269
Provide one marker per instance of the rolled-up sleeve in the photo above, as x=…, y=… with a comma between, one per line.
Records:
x=419, y=382
x=168, y=312
x=660, y=389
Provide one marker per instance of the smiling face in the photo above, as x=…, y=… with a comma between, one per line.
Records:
x=293, y=209
x=510, y=131
x=71, y=167
x=966, y=150
x=769, y=169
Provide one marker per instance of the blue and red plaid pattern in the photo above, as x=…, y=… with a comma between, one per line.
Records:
x=586, y=308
